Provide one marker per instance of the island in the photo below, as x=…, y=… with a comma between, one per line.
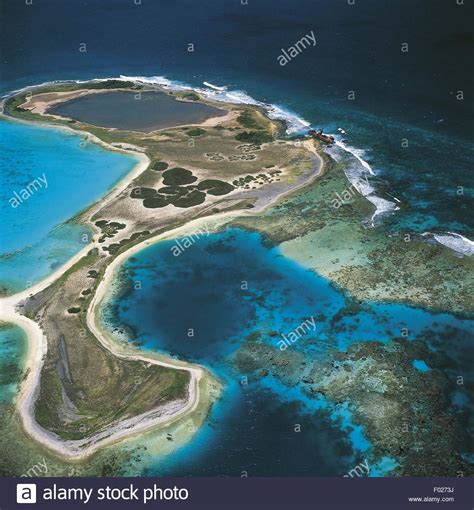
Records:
x=84, y=387
x=370, y=357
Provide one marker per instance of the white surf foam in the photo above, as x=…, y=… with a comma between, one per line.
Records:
x=154, y=80
x=358, y=174
x=454, y=241
x=357, y=153
x=211, y=86
x=294, y=123
x=359, y=179
x=382, y=206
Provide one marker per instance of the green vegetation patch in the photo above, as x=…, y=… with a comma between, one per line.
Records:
x=110, y=389
x=111, y=84
x=195, y=197
x=142, y=192
x=243, y=181
x=247, y=120
x=190, y=96
x=156, y=202
x=215, y=187
x=177, y=176
x=176, y=191
x=116, y=247
x=13, y=108
x=109, y=228
x=257, y=137
x=195, y=132
x=116, y=225
x=179, y=196
x=159, y=166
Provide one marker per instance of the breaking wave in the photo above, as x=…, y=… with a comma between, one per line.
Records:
x=453, y=241
x=356, y=170
x=295, y=124
x=356, y=174
x=357, y=153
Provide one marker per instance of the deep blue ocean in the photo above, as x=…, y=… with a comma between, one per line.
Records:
x=398, y=95
x=410, y=120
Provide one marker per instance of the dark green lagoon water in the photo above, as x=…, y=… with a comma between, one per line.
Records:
x=134, y=111
x=400, y=97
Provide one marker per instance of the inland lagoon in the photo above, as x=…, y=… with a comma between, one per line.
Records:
x=135, y=111
x=312, y=338
x=300, y=410
x=258, y=320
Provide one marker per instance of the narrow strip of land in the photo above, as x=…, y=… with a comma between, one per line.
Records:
x=11, y=309
x=38, y=345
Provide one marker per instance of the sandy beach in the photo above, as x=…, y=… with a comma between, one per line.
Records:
x=77, y=450
x=10, y=311
x=40, y=103
x=37, y=346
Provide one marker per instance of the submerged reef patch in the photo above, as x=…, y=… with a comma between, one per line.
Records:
x=405, y=412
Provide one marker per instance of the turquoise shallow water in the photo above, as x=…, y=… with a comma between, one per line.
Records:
x=12, y=349
x=421, y=365
x=61, y=176
x=398, y=96
x=203, y=304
